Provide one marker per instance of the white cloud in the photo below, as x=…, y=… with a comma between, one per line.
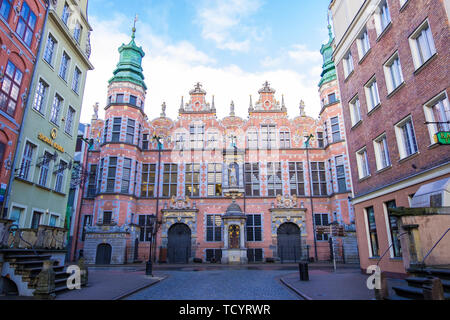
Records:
x=224, y=22
x=171, y=69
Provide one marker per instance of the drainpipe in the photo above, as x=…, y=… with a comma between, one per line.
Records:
x=311, y=196
x=25, y=113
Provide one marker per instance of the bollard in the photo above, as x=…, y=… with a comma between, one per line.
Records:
x=303, y=270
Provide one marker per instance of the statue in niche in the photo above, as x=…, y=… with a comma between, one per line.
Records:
x=233, y=179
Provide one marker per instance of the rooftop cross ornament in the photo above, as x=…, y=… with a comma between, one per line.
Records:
x=198, y=86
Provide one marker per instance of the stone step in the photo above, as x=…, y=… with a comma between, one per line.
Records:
x=26, y=257
x=443, y=274
x=29, y=264
x=413, y=293
x=419, y=282
x=396, y=297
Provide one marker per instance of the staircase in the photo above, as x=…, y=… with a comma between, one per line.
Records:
x=413, y=288
x=23, y=266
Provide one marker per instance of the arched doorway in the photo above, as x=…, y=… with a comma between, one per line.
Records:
x=289, y=242
x=103, y=256
x=179, y=244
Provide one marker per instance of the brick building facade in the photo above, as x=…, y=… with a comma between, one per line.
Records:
x=215, y=185
x=392, y=64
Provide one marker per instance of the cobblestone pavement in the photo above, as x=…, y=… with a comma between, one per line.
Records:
x=219, y=285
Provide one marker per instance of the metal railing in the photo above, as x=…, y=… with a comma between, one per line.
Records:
x=390, y=247
x=13, y=229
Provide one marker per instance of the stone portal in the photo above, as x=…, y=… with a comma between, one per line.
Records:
x=234, y=251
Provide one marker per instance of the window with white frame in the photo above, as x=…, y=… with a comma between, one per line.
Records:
x=214, y=179
x=355, y=111
x=252, y=139
x=66, y=13
x=50, y=49
x=403, y=2
x=39, y=98
x=197, y=134
x=69, y=120
x=285, y=139
x=117, y=125
x=60, y=176
x=406, y=138
x=56, y=109
x=64, y=68
x=422, y=45
x=76, y=80
x=335, y=129
x=381, y=152
x=372, y=95
x=131, y=125
x=268, y=137
x=393, y=73
x=363, y=43
x=77, y=31
x=27, y=159
x=382, y=17
x=348, y=64
x=363, y=163
x=213, y=140
x=45, y=166
x=126, y=176
x=437, y=113
x=340, y=174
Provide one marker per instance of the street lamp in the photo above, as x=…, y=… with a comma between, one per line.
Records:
x=311, y=196
x=154, y=217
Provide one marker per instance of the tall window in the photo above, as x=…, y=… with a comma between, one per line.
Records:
x=60, y=176
x=36, y=220
x=111, y=179
x=66, y=13
x=69, y=120
x=9, y=93
x=285, y=139
x=340, y=174
x=332, y=98
x=27, y=159
x=148, y=180
x=213, y=228
x=382, y=152
x=64, y=68
x=355, y=111
x=77, y=31
x=105, y=131
x=146, y=226
x=422, y=45
x=120, y=98
x=26, y=24
x=363, y=163
x=406, y=138
x=145, y=141
x=45, y=165
x=39, y=98
x=107, y=217
x=76, y=80
x=100, y=175
x=296, y=178
x=170, y=180
x=53, y=220
x=56, y=108
x=252, y=139
x=214, y=180
x=92, y=181
x=192, y=180
x=131, y=124
x=252, y=188
x=320, y=142
x=394, y=230
x=348, y=64
x=437, y=111
x=213, y=140
x=126, y=176
x=5, y=9
x=268, y=137
x=197, y=133
x=117, y=124
x=274, y=180
x=373, y=236
x=363, y=44
x=319, y=178
x=393, y=73
x=254, y=227
x=372, y=95
x=335, y=130
x=133, y=100
x=321, y=220
x=50, y=49
x=382, y=17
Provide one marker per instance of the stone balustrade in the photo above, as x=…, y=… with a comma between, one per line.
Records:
x=45, y=237
x=4, y=232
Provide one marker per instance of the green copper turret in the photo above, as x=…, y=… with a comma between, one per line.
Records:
x=129, y=68
x=329, y=69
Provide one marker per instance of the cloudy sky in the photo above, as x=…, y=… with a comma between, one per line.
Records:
x=231, y=47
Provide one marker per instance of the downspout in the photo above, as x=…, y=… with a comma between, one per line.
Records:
x=25, y=113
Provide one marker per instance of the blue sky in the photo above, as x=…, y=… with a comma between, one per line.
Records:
x=231, y=47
